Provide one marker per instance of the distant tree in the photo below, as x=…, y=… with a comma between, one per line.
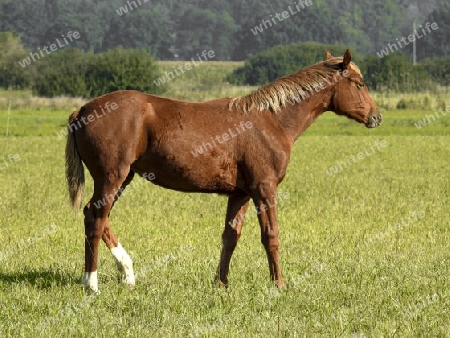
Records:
x=263, y=31
x=26, y=18
x=380, y=22
x=12, y=74
x=91, y=31
x=201, y=29
x=148, y=29
x=353, y=30
x=437, y=42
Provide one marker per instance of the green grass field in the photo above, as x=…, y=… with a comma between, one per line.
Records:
x=365, y=251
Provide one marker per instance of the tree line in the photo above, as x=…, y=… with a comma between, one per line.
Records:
x=173, y=30
x=74, y=72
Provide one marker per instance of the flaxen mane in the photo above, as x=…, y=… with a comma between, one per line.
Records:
x=291, y=88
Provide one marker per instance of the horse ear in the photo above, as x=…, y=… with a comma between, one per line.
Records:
x=347, y=59
x=327, y=55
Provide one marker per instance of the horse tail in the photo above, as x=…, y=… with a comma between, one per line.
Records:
x=74, y=167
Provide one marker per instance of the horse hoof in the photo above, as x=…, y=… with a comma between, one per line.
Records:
x=128, y=279
x=281, y=285
x=128, y=284
x=89, y=291
x=218, y=283
x=90, y=282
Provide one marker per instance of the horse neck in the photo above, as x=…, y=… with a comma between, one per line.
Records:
x=296, y=118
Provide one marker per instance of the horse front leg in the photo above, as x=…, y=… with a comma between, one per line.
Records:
x=265, y=204
x=236, y=209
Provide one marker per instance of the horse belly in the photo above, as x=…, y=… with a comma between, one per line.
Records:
x=217, y=175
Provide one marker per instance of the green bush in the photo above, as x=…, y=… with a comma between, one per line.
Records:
x=283, y=60
x=120, y=69
x=401, y=104
x=396, y=73
x=439, y=69
x=74, y=73
x=62, y=73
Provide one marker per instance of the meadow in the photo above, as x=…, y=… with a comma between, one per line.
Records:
x=364, y=250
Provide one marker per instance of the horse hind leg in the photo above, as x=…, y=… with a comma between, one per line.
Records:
x=97, y=226
x=123, y=260
x=95, y=223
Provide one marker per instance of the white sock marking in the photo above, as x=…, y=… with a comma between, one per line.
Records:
x=90, y=280
x=124, y=264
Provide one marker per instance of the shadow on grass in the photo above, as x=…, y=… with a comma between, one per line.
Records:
x=41, y=279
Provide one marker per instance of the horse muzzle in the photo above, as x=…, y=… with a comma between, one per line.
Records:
x=374, y=120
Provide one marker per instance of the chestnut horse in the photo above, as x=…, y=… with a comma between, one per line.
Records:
x=124, y=133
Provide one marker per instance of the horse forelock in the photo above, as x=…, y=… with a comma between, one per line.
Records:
x=291, y=88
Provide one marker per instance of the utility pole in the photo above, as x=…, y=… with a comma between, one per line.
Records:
x=7, y=119
x=414, y=43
